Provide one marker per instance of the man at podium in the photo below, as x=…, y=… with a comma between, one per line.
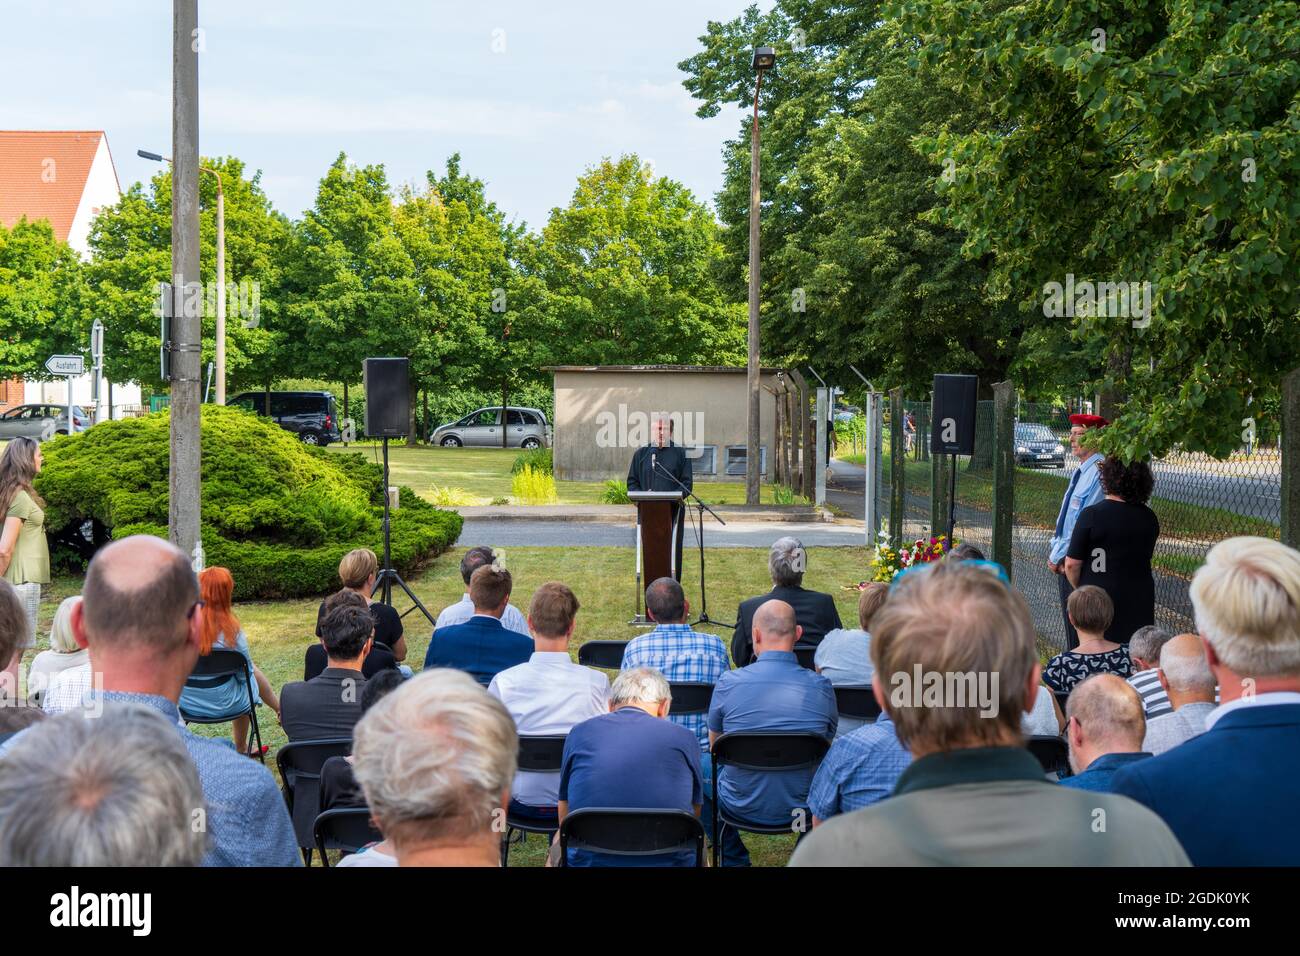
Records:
x=652, y=466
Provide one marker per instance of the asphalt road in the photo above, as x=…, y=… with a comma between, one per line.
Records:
x=506, y=532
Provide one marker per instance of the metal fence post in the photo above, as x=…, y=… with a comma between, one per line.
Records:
x=823, y=401
x=872, y=461
x=939, y=465
x=1290, y=459
x=1004, y=464
x=897, y=468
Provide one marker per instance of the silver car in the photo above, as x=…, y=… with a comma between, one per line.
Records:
x=525, y=428
x=41, y=421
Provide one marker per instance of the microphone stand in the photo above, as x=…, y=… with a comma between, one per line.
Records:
x=701, y=507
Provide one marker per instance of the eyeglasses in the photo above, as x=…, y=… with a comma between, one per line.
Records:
x=189, y=615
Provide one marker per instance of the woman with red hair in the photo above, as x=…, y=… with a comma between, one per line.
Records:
x=221, y=630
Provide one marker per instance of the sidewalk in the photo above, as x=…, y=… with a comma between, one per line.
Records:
x=626, y=514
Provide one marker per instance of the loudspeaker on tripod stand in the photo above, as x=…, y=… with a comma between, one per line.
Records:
x=387, y=383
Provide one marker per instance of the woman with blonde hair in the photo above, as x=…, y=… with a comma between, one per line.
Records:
x=358, y=571
x=24, y=553
x=222, y=631
x=63, y=654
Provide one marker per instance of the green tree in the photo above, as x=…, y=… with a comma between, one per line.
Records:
x=43, y=299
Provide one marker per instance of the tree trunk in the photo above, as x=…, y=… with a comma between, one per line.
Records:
x=266, y=400
x=427, y=425
x=345, y=413
x=413, y=436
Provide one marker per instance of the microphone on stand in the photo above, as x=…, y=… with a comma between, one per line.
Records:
x=652, y=469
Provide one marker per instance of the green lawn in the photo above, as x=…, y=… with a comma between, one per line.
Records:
x=603, y=578
x=484, y=474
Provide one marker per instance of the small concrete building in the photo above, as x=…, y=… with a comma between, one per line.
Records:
x=603, y=413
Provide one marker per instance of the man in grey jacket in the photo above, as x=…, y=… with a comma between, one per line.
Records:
x=1187, y=679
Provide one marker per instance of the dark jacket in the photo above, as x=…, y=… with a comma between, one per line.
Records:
x=323, y=707
x=814, y=611
x=481, y=646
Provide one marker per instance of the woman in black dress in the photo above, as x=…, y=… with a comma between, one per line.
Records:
x=1112, y=545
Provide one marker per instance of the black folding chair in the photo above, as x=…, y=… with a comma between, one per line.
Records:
x=764, y=753
x=804, y=655
x=536, y=755
x=1052, y=753
x=605, y=654
x=631, y=832
x=221, y=666
x=690, y=698
x=344, y=828
x=857, y=701
x=299, y=764
x=1061, y=697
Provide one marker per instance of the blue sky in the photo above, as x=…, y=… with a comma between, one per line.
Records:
x=285, y=85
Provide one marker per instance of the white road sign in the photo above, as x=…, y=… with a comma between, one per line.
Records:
x=65, y=365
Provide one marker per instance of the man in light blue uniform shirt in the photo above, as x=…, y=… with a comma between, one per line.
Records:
x=1084, y=490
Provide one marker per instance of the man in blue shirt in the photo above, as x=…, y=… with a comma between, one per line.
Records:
x=1106, y=724
x=861, y=768
x=482, y=646
x=772, y=695
x=1083, y=490
x=679, y=653
x=632, y=758
x=139, y=617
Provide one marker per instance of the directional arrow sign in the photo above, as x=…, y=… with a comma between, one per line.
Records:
x=65, y=365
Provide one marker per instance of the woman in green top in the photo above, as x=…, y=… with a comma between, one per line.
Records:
x=24, y=554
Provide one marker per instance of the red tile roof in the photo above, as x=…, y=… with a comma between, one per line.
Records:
x=43, y=174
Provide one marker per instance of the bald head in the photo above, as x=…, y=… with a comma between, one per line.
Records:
x=774, y=627
x=1109, y=714
x=138, y=592
x=1185, y=669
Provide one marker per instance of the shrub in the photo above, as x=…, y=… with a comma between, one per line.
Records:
x=539, y=459
x=449, y=497
x=278, y=514
x=615, y=492
x=500, y=500
x=785, y=495
x=532, y=487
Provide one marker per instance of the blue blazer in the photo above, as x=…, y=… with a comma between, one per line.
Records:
x=1231, y=794
x=480, y=646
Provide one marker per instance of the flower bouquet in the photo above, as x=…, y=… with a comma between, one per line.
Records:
x=889, y=561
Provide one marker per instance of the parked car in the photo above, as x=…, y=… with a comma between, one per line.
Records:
x=309, y=415
x=33, y=421
x=1037, y=446
x=525, y=428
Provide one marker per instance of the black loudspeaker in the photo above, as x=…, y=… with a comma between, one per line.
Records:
x=952, y=419
x=388, y=396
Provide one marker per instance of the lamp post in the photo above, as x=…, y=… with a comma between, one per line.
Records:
x=764, y=59
x=221, y=272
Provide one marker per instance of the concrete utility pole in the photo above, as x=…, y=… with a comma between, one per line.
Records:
x=764, y=58
x=183, y=479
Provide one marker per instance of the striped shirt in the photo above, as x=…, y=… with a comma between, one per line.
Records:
x=683, y=656
x=1154, y=699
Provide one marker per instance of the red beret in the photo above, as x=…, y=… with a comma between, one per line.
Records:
x=1088, y=421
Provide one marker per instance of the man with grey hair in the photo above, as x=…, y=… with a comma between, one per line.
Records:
x=1144, y=650
x=435, y=759
x=1186, y=677
x=1104, y=727
x=139, y=617
x=1230, y=795
x=632, y=758
x=814, y=611
x=115, y=790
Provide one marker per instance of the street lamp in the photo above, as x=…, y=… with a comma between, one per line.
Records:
x=221, y=272
x=764, y=59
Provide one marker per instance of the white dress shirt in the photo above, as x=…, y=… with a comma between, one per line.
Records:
x=547, y=696
x=1257, y=700
x=460, y=612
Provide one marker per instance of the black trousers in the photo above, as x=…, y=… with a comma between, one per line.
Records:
x=1064, y=587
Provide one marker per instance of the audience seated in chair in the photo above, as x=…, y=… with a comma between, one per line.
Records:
x=338, y=785
x=774, y=694
x=973, y=794
x=435, y=759
x=547, y=695
x=16, y=714
x=844, y=655
x=222, y=631
x=460, y=612
x=1144, y=650
x=330, y=705
x=118, y=789
x=1090, y=610
x=1186, y=678
x=481, y=647
x=357, y=571
x=630, y=758
x=1230, y=794
x=815, y=612
x=1105, y=725
x=62, y=655
x=139, y=615
x=316, y=660
x=682, y=655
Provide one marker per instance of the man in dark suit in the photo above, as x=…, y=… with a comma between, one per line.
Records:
x=814, y=611
x=482, y=646
x=329, y=705
x=1230, y=795
x=651, y=468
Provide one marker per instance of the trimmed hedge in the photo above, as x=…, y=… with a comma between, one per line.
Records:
x=278, y=514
